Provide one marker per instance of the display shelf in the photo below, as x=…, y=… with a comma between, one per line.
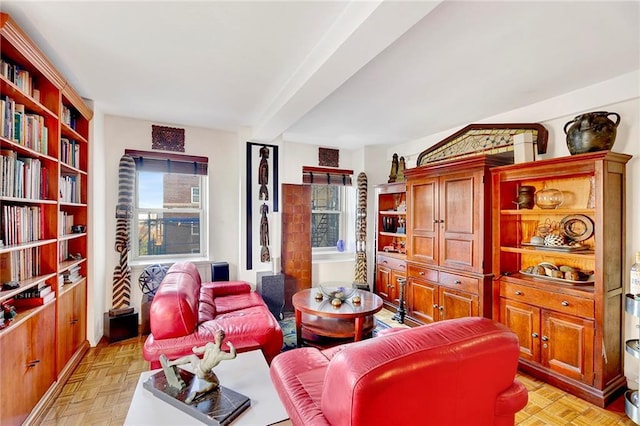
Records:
x=581, y=345
x=25, y=285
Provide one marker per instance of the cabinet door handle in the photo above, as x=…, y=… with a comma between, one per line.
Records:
x=441, y=308
x=457, y=282
x=518, y=293
x=441, y=221
x=435, y=306
x=384, y=261
x=403, y=266
x=421, y=273
x=564, y=303
x=534, y=335
x=545, y=338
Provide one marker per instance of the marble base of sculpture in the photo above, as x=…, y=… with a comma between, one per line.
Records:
x=219, y=406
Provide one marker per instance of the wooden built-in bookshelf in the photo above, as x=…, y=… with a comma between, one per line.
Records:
x=44, y=165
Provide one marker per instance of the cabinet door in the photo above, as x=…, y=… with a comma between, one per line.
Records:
x=65, y=329
x=458, y=219
x=16, y=395
x=79, y=314
x=27, y=368
x=422, y=220
x=524, y=320
x=42, y=341
x=456, y=304
x=423, y=300
x=394, y=294
x=567, y=345
x=383, y=282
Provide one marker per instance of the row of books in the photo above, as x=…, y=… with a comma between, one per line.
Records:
x=22, y=224
x=68, y=117
x=22, y=177
x=70, y=276
x=20, y=265
x=24, y=128
x=70, y=152
x=65, y=222
x=20, y=77
x=69, y=187
x=34, y=297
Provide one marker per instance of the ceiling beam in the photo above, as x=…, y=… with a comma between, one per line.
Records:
x=363, y=31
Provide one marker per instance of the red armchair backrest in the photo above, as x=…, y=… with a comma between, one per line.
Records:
x=174, y=310
x=448, y=373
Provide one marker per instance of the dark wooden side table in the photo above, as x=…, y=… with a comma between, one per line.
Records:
x=348, y=321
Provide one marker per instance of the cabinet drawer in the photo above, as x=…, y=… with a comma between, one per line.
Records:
x=545, y=299
x=392, y=263
x=460, y=282
x=422, y=273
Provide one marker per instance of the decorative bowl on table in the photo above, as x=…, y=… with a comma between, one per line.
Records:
x=338, y=292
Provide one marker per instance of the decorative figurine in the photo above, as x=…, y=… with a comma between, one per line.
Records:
x=394, y=169
x=264, y=234
x=203, y=368
x=400, y=173
x=263, y=174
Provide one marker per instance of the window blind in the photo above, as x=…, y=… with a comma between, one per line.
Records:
x=326, y=176
x=150, y=161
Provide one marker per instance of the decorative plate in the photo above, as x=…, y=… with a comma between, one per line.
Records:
x=556, y=248
x=588, y=281
x=576, y=227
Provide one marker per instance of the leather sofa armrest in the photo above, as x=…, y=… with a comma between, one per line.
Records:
x=511, y=401
x=226, y=288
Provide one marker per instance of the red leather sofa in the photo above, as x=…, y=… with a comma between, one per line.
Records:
x=455, y=372
x=186, y=312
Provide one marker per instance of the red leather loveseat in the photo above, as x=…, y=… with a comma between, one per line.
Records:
x=186, y=312
x=455, y=372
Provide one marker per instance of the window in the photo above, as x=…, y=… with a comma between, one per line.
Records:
x=333, y=209
x=195, y=195
x=169, y=211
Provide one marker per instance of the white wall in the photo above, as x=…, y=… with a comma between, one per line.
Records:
x=222, y=150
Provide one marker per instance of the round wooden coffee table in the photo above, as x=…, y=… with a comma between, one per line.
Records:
x=321, y=318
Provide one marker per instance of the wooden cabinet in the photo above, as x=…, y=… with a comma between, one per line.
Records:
x=389, y=270
x=569, y=325
x=449, y=239
x=390, y=242
x=44, y=164
x=72, y=321
x=27, y=365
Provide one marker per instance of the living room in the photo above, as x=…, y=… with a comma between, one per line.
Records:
x=112, y=134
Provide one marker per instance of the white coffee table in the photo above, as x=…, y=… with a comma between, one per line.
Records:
x=248, y=374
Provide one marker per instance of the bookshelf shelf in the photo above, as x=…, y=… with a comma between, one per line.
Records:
x=44, y=153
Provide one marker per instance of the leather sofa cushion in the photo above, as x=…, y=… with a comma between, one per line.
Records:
x=176, y=303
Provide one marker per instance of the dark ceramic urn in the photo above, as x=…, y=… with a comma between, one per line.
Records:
x=592, y=131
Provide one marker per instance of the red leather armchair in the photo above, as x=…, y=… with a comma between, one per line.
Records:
x=455, y=372
x=186, y=312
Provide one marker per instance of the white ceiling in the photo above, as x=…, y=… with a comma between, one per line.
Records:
x=334, y=73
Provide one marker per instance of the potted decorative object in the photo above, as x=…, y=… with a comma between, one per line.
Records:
x=592, y=131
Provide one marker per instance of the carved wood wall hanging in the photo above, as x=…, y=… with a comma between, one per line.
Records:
x=483, y=139
x=264, y=188
x=328, y=157
x=167, y=138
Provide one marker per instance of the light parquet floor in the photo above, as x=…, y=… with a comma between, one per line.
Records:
x=100, y=391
